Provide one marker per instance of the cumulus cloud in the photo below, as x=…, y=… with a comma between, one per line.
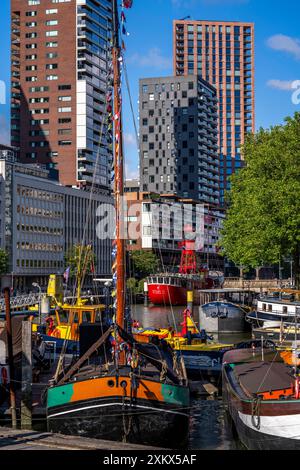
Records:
x=154, y=59
x=280, y=42
x=130, y=139
x=281, y=84
x=131, y=171
x=4, y=130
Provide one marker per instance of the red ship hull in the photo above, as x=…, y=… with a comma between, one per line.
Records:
x=172, y=290
x=162, y=294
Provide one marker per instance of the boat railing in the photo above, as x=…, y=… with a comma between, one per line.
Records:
x=277, y=311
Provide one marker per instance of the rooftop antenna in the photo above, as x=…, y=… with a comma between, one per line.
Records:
x=185, y=18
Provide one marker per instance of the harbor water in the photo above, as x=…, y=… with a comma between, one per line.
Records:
x=211, y=428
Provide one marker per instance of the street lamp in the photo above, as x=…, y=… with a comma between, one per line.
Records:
x=35, y=284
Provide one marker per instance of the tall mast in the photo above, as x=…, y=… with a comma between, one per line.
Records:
x=119, y=173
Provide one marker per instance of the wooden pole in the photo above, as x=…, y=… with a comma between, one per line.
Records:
x=12, y=394
x=119, y=179
x=26, y=398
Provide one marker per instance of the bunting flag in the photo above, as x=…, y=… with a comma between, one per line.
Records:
x=67, y=274
x=127, y=3
x=114, y=122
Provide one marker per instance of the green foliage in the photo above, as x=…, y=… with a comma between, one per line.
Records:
x=81, y=259
x=132, y=285
x=144, y=263
x=3, y=262
x=263, y=220
x=135, y=286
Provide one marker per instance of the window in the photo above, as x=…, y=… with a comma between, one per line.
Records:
x=38, y=89
x=51, y=44
x=31, y=46
x=31, y=25
x=51, y=23
x=151, y=97
x=64, y=87
x=64, y=142
x=51, y=66
x=31, y=13
x=51, y=33
x=33, y=2
x=51, y=11
x=64, y=120
x=64, y=98
x=51, y=55
x=64, y=110
x=31, y=35
x=64, y=131
x=51, y=77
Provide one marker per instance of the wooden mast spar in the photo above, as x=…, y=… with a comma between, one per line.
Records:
x=119, y=178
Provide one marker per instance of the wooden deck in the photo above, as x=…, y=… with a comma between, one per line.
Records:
x=29, y=440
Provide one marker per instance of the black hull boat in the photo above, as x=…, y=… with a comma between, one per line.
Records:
x=262, y=400
x=117, y=419
x=130, y=408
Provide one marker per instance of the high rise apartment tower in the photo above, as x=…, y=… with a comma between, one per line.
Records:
x=60, y=56
x=178, y=138
x=222, y=53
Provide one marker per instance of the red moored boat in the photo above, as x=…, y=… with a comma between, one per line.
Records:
x=170, y=288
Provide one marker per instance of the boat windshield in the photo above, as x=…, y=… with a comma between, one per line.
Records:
x=86, y=317
x=63, y=316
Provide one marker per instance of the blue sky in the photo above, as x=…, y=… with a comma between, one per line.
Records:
x=149, y=53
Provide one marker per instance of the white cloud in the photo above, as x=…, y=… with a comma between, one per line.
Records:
x=4, y=130
x=130, y=139
x=131, y=173
x=153, y=59
x=280, y=42
x=281, y=84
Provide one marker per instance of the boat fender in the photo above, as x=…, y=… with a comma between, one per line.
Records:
x=255, y=415
x=134, y=360
x=297, y=388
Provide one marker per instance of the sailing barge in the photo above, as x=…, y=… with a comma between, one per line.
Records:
x=143, y=402
x=133, y=393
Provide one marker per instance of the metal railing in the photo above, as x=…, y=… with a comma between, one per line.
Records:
x=21, y=301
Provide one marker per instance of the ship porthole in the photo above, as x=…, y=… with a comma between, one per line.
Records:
x=111, y=383
x=123, y=384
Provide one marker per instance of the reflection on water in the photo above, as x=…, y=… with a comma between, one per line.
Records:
x=211, y=428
